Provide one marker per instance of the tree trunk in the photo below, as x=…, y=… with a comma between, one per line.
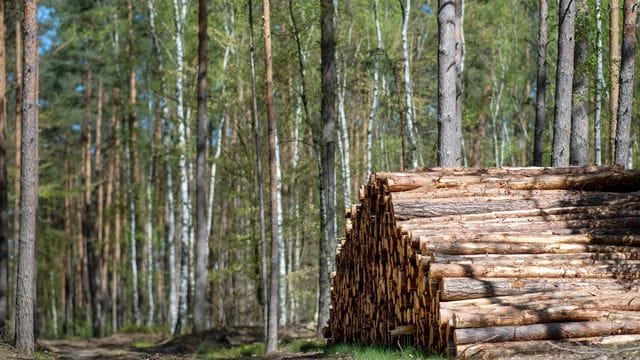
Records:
x=449, y=129
x=373, y=114
x=459, y=68
x=597, y=125
x=412, y=159
x=272, y=339
x=564, y=81
x=117, y=205
x=180, y=9
x=579, y=142
x=541, y=85
x=200, y=317
x=4, y=184
x=88, y=226
x=259, y=181
x=26, y=269
x=625, y=101
x=18, y=150
x=327, y=176
x=614, y=60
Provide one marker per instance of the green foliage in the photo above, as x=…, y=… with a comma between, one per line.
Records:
x=212, y=351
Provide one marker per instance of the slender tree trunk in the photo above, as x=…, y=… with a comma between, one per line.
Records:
x=579, y=142
x=26, y=278
x=272, y=339
x=69, y=263
x=614, y=60
x=99, y=223
x=202, y=249
x=627, y=71
x=4, y=184
x=180, y=9
x=564, y=81
x=541, y=85
x=88, y=225
x=449, y=129
x=459, y=69
x=597, y=126
x=18, y=147
x=327, y=176
x=259, y=178
x=412, y=159
x=117, y=205
x=373, y=114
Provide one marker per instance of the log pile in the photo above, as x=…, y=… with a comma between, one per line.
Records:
x=479, y=262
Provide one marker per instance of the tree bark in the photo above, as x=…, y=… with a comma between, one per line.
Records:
x=328, y=186
x=412, y=159
x=180, y=9
x=272, y=339
x=373, y=113
x=26, y=269
x=4, y=184
x=200, y=317
x=541, y=85
x=564, y=81
x=614, y=60
x=259, y=178
x=449, y=129
x=597, y=124
x=627, y=71
x=18, y=147
x=579, y=142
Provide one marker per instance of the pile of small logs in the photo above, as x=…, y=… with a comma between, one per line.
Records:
x=486, y=262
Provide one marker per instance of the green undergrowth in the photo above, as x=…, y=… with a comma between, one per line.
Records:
x=357, y=352
x=212, y=351
x=141, y=329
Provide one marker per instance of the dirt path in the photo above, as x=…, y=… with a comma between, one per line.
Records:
x=118, y=346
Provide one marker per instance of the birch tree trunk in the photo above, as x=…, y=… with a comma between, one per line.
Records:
x=180, y=9
x=200, y=316
x=579, y=142
x=259, y=177
x=449, y=129
x=412, y=159
x=327, y=175
x=26, y=269
x=117, y=204
x=597, y=127
x=164, y=109
x=272, y=339
x=4, y=184
x=614, y=60
x=564, y=81
x=627, y=70
x=343, y=134
x=373, y=114
x=282, y=319
x=541, y=85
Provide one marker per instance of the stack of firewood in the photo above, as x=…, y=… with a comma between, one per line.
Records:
x=481, y=262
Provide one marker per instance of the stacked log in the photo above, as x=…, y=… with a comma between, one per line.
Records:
x=473, y=262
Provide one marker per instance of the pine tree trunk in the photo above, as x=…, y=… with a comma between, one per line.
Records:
x=26, y=269
x=412, y=158
x=449, y=129
x=200, y=316
x=541, y=85
x=4, y=184
x=627, y=71
x=327, y=163
x=579, y=142
x=117, y=205
x=597, y=125
x=614, y=60
x=564, y=81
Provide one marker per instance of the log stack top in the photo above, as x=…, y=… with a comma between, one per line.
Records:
x=469, y=261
